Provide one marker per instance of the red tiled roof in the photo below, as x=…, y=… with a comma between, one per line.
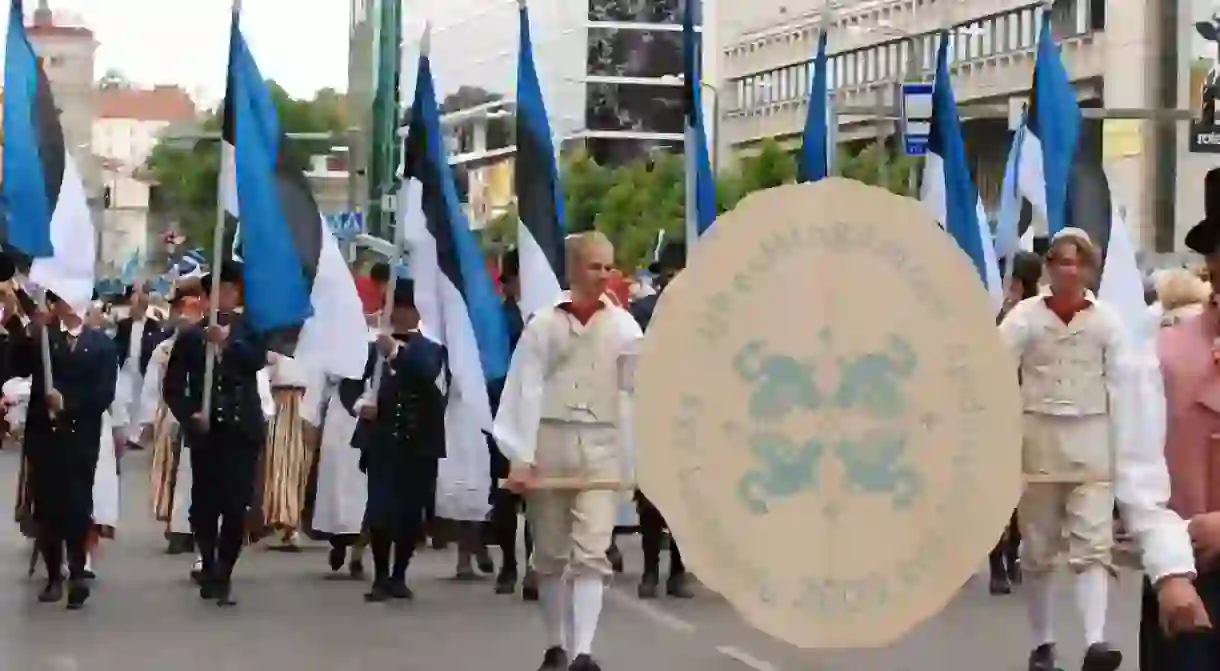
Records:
x=161, y=103
x=37, y=30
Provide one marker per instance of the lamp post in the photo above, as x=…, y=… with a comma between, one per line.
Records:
x=679, y=80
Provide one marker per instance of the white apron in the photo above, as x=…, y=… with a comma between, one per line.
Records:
x=342, y=490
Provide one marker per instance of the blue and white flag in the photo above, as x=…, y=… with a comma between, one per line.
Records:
x=1009, y=238
x=700, y=185
x=540, y=238
x=296, y=279
x=948, y=188
x=48, y=218
x=131, y=269
x=816, y=145
x=1068, y=189
x=457, y=302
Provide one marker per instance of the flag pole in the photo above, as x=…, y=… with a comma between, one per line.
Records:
x=383, y=319
x=45, y=343
x=218, y=243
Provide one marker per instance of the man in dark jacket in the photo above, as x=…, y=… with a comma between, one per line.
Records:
x=671, y=260
x=224, y=444
x=137, y=335
x=63, y=432
x=401, y=437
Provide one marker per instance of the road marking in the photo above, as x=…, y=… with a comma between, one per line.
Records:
x=651, y=612
x=665, y=619
x=746, y=658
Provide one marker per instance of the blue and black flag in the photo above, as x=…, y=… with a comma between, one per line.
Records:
x=457, y=302
x=296, y=281
x=540, y=239
x=48, y=225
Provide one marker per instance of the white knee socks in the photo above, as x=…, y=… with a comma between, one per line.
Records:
x=1041, y=614
x=553, y=597
x=1092, y=597
x=587, y=594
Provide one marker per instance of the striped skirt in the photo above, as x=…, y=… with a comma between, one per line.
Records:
x=283, y=468
x=167, y=450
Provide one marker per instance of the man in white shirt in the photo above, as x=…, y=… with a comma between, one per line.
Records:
x=1087, y=444
x=138, y=334
x=559, y=417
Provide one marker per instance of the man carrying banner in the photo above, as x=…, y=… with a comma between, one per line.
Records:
x=559, y=417
x=225, y=446
x=401, y=439
x=63, y=433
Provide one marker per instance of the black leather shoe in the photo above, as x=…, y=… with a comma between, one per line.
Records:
x=378, y=593
x=224, y=593
x=555, y=659
x=1000, y=585
x=483, y=560
x=1101, y=657
x=506, y=582
x=649, y=586
x=678, y=586
x=1042, y=658
x=337, y=556
x=399, y=590
x=529, y=586
x=52, y=593
x=179, y=544
x=616, y=558
x=584, y=663
x=78, y=594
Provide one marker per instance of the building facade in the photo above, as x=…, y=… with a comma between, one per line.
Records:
x=1120, y=56
x=129, y=122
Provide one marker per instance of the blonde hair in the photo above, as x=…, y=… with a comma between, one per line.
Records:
x=1179, y=287
x=577, y=246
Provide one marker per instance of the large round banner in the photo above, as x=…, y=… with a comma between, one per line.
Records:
x=826, y=415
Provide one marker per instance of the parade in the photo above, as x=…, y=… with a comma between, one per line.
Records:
x=823, y=419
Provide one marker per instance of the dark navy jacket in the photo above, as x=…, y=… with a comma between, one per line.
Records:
x=236, y=404
x=152, y=336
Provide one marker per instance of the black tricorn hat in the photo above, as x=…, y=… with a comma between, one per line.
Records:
x=672, y=257
x=7, y=267
x=510, y=265
x=230, y=272
x=1204, y=237
x=404, y=293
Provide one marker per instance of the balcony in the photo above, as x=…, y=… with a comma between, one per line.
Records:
x=991, y=58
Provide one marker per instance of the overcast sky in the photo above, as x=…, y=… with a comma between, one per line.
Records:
x=302, y=44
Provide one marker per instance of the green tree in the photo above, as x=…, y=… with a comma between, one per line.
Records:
x=877, y=166
x=186, y=174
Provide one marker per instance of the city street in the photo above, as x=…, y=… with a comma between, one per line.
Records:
x=145, y=616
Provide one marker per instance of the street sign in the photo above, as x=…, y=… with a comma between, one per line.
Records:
x=346, y=225
x=916, y=117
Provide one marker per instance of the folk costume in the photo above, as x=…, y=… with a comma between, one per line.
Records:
x=401, y=448
x=651, y=523
x=61, y=448
x=1085, y=443
x=340, y=489
x=224, y=452
x=284, y=465
x=171, y=465
x=135, y=339
x=506, y=506
x=1190, y=366
x=560, y=412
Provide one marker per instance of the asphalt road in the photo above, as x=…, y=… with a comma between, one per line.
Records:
x=145, y=616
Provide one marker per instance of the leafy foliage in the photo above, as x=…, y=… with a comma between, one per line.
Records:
x=186, y=174
x=632, y=203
